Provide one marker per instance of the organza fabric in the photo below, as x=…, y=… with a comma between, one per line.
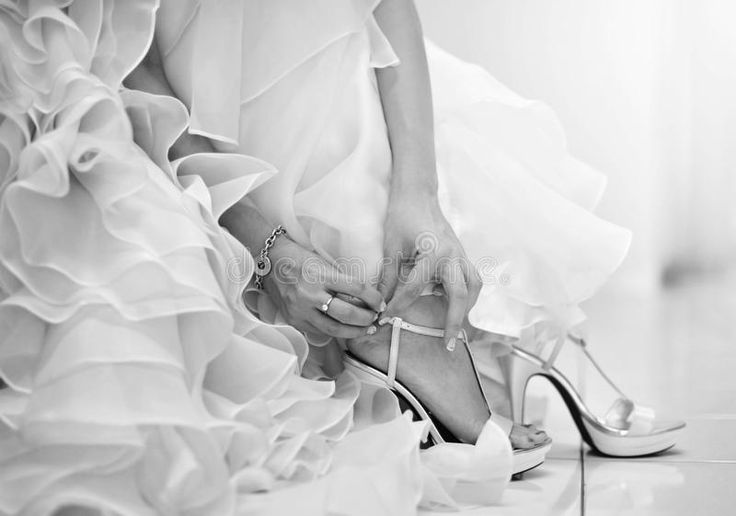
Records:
x=137, y=382
x=298, y=90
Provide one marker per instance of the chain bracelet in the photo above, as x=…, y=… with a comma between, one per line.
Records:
x=263, y=262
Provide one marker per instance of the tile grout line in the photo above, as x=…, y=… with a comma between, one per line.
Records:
x=654, y=461
x=582, y=479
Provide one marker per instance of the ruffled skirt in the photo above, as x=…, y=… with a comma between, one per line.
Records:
x=305, y=99
x=136, y=380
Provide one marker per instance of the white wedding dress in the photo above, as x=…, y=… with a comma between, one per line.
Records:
x=137, y=380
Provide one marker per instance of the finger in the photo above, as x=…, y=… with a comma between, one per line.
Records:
x=304, y=327
x=350, y=314
x=344, y=284
x=409, y=290
x=313, y=334
x=355, y=301
x=329, y=326
x=389, y=276
x=453, y=282
x=475, y=284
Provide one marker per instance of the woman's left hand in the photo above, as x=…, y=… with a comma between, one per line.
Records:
x=421, y=249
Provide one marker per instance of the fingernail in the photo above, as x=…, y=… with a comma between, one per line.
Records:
x=375, y=316
x=382, y=307
x=451, y=344
x=371, y=330
x=385, y=320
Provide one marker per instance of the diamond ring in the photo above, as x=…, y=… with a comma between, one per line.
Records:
x=326, y=305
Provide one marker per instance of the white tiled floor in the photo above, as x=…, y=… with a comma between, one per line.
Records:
x=674, y=350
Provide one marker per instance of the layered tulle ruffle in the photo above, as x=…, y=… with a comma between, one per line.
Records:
x=521, y=205
x=137, y=382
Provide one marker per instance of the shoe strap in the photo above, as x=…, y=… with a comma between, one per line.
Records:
x=583, y=345
x=415, y=328
x=393, y=354
x=399, y=324
x=550, y=361
x=560, y=342
x=624, y=414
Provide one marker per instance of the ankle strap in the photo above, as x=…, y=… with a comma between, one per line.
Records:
x=579, y=341
x=549, y=362
x=414, y=328
x=399, y=324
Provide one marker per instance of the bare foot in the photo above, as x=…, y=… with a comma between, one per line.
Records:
x=444, y=381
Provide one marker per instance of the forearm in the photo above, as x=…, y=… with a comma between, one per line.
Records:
x=407, y=100
x=247, y=224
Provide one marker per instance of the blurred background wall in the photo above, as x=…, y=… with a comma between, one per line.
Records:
x=646, y=91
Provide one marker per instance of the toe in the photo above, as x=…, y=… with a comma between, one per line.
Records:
x=540, y=437
x=527, y=436
x=520, y=438
x=521, y=442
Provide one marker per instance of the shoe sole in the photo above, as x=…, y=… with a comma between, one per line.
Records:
x=522, y=460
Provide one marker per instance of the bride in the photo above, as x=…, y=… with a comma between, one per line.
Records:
x=411, y=249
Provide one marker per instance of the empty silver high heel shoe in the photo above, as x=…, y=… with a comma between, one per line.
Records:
x=627, y=429
x=523, y=459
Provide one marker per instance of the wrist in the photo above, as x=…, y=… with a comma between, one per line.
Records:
x=413, y=191
x=411, y=204
x=264, y=261
x=402, y=188
x=282, y=248
x=414, y=179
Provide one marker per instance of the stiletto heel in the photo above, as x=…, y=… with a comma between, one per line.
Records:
x=523, y=459
x=517, y=374
x=627, y=429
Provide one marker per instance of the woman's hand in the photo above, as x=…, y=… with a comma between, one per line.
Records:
x=301, y=281
x=421, y=249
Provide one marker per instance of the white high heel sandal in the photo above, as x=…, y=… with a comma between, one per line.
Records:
x=627, y=430
x=523, y=459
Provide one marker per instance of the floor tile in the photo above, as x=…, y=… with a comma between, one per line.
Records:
x=552, y=489
x=672, y=489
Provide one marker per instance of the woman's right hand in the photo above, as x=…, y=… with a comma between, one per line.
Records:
x=300, y=282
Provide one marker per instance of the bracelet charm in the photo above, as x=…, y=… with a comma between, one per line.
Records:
x=263, y=262
x=263, y=266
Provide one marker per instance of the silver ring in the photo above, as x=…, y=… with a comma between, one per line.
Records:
x=326, y=305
